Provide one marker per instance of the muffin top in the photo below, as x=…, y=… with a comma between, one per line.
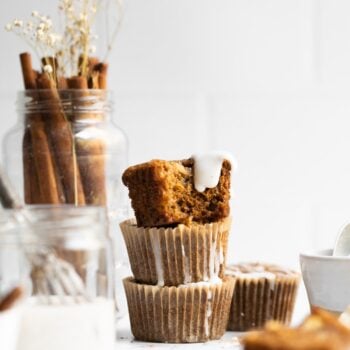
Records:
x=259, y=270
x=165, y=193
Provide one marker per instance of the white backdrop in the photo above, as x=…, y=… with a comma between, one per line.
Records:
x=268, y=80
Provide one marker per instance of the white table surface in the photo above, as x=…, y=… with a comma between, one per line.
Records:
x=127, y=342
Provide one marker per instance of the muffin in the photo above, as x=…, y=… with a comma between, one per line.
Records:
x=163, y=193
x=263, y=292
x=189, y=313
x=319, y=331
x=177, y=247
x=179, y=255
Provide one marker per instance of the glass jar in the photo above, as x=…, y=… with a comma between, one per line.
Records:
x=57, y=317
x=65, y=149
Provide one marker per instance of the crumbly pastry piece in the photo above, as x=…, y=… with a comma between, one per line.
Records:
x=162, y=193
x=179, y=255
x=185, y=314
x=319, y=331
x=263, y=292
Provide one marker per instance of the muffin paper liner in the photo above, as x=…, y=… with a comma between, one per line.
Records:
x=180, y=255
x=185, y=314
x=257, y=300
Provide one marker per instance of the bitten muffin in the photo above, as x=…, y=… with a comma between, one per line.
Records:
x=320, y=331
x=162, y=193
x=189, y=313
x=177, y=255
x=263, y=292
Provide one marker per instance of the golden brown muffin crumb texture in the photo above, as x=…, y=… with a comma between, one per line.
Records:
x=162, y=193
x=319, y=331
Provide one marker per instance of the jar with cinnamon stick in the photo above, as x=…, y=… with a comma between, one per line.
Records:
x=65, y=149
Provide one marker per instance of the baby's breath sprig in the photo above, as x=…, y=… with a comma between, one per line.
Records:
x=39, y=33
x=79, y=17
x=67, y=54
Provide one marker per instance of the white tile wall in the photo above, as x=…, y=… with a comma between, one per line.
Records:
x=268, y=80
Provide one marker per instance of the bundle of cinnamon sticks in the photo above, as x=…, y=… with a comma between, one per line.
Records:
x=60, y=166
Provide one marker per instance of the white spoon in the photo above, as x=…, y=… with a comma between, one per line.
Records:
x=342, y=244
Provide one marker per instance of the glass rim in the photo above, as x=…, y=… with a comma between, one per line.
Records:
x=73, y=101
x=100, y=91
x=54, y=218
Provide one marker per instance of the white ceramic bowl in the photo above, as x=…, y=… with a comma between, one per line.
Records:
x=327, y=279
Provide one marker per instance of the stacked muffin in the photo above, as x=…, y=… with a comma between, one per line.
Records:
x=177, y=249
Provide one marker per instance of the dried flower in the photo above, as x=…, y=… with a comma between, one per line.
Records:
x=77, y=41
x=17, y=23
x=48, y=68
x=38, y=33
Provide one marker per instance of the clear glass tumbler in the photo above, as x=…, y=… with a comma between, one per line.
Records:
x=56, y=317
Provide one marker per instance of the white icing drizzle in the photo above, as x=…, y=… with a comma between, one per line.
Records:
x=209, y=283
x=187, y=277
x=206, y=275
x=207, y=168
x=255, y=274
x=212, y=260
x=208, y=313
x=221, y=255
x=157, y=258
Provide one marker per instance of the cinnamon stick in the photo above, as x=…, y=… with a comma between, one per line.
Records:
x=49, y=184
x=62, y=140
x=30, y=177
x=77, y=82
x=93, y=81
x=93, y=76
x=90, y=64
x=29, y=75
x=39, y=175
x=62, y=83
x=91, y=150
x=102, y=69
x=11, y=299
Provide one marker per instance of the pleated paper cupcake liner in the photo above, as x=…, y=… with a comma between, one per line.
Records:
x=180, y=255
x=185, y=314
x=258, y=300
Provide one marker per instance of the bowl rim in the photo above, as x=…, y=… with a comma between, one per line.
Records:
x=322, y=254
